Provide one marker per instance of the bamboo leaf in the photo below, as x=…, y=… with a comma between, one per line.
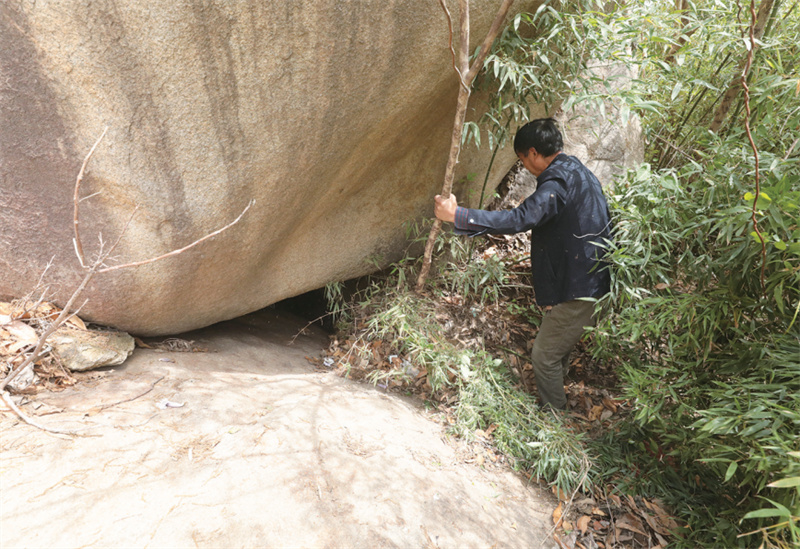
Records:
x=789, y=482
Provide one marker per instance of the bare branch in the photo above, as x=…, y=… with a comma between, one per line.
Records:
x=450, y=44
x=76, y=200
x=91, y=270
x=488, y=41
x=106, y=255
x=463, y=47
x=181, y=250
x=10, y=403
x=754, y=21
x=90, y=196
x=756, y=33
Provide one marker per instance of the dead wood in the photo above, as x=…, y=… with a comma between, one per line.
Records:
x=20, y=414
x=97, y=266
x=76, y=241
x=131, y=399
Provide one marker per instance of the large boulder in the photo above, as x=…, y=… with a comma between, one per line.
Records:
x=334, y=116
x=607, y=140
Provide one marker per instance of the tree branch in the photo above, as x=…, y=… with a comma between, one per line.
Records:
x=75, y=200
x=754, y=21
x=756, y=33
x=181, y=250
x=461, y=114
x=91, y=270
x=452, y=51
x=20, y=414
x=477, y=65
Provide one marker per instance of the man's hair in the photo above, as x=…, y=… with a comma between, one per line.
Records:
x=541, y=134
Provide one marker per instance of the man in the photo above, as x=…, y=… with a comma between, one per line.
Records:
x=569, y=223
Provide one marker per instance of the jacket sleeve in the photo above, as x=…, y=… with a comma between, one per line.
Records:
x=539, y=208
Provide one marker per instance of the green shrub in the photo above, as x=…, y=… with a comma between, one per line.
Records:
x=710, y=358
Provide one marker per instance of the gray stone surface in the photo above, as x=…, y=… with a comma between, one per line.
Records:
x=334, y=116
x=81, y=350
x=605, y=141
x=265, y=452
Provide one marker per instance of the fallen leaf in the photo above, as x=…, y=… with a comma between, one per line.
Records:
x=77, y=322
x=595, y=412
x=583, y=523
x=610, y=404
x=22, y=332
x=560, y=494
x=557, y=515
x=624, y=525
x=656, y=525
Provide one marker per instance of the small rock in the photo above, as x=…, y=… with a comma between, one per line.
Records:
x=82, y=350
x=24, y=379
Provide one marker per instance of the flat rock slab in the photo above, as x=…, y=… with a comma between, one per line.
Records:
x=260, y=451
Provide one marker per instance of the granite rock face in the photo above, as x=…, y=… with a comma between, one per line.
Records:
x=335, y=117
x=605, y=140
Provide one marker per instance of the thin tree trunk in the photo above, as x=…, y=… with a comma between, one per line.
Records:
x=682, y=6
x=764, y=11
x=466, y=75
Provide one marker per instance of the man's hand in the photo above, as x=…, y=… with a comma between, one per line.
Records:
x=445, y=208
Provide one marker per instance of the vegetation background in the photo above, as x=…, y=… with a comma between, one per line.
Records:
x=701, y=325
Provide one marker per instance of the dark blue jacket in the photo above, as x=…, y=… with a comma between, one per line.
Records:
x=569, y=223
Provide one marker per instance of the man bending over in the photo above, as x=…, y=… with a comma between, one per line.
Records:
x=568, y=219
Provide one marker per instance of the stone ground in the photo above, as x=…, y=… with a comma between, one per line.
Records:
x=264, y=452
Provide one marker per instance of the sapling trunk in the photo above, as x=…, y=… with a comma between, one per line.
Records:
x=764, y=11
x=466, y=75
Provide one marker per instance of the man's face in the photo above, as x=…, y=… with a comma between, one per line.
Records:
x=533, y=161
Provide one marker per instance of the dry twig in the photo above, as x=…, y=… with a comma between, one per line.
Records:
x=10, y=403
x=97, y=266
x=152, y=386
x=76, y=200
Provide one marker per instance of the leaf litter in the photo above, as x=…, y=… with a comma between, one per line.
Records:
x=506, y=330
x=21, y=324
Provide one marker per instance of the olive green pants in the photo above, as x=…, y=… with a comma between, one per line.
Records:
x=562, y=327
